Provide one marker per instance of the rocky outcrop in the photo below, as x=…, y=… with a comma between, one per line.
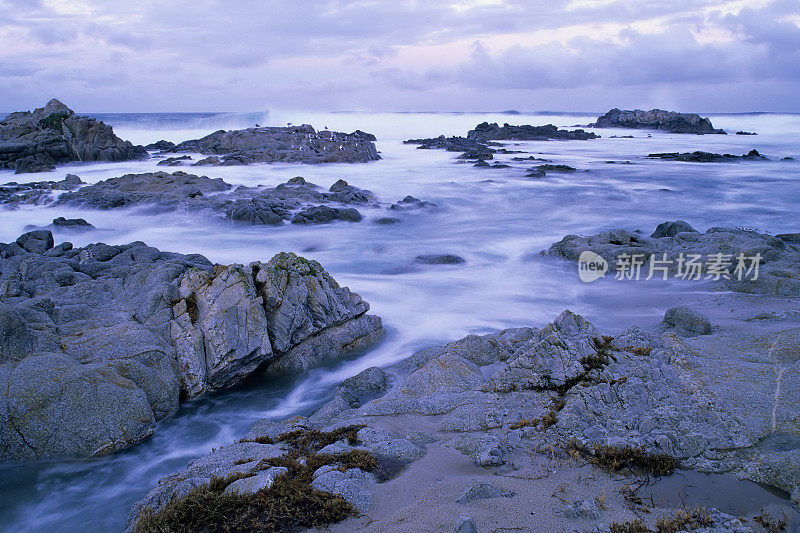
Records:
x=656, y=119
x=98, y=343
x=532, y=392
x=296, y=201
x=292, y=144
x=14, y=194
x=485, y=132
x=37, y=141
x=742, y=260
x=708, y=157
x=450, y=144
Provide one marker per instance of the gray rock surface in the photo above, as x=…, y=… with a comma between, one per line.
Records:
x=296, y=200
x=295, y=144
x=686, y=322
x=484, y=132
x=99, y=343
x=731, y=250
x=36, y=141
x=656, y=119
x=720, y=402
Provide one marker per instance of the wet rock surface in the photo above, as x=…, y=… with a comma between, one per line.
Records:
x=485, y=132
x=37, y=141
x=291, y=144
x=567, y=387
x=708, y=157
x=296, y=201
x=98, y=343
x=742, y=260
x=656, y=119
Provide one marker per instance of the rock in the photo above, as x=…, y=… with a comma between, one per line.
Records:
x=586, y=509
x=295, y=144
x=310, y=318
x=101, y=342
x=37, y=141
x=481, y=491
x=742, y=260
x=220, y=329
x=685, y=322
x=369, y=382
x=465, y=524
x=550, y=168
x=707, y=157
x=323, y=214
x=439, y=259
x=453, y=144
x=206, y=161
x=484, y=132
x=36, y=193
x=156, y=188
x=409, y=202
x=480, y=163
x=251, y=485
x=173, y=161
x=37, y=242
x=745, y=133
x=162, y=145
x=387, y=221
x=352, y=485
x=535, y=173
x=72, y=223
x=789, y=237
x=490, y=456
x=656, y=119
x=481, y=153
x=670, y=229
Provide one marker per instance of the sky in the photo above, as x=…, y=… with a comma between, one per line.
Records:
x=426, y=55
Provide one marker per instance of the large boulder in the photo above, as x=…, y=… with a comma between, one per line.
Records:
x=310, y=317
x=656, y=119
x=36, y=141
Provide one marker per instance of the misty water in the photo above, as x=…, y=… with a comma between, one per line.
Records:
x=496, y=219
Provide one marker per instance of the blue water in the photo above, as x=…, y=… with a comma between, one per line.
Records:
x=496, y=219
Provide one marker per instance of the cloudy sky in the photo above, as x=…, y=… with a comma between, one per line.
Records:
x=246, y=55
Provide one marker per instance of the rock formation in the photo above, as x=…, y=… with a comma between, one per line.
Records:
x=523, y=393
x=98, y=343
x=291, y=144
x=656, y=119
x=37, y=141
x=484, y=132
x=778, y=272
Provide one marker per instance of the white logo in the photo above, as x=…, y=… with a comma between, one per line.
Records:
x=591, y=266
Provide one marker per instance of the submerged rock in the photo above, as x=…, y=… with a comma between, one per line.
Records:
x=36, y=141
x=708, y=157
x=99, y=343
x=656, y=119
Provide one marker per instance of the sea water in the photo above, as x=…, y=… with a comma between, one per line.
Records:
x=496, y=219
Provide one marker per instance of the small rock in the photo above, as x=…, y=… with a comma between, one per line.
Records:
x=251, y=485
x=439, y=259
x=482, y=491
x=685, y=321
x=465, y=524
x=670, y=229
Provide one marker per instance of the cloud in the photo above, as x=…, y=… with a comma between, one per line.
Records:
x=219, y=55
